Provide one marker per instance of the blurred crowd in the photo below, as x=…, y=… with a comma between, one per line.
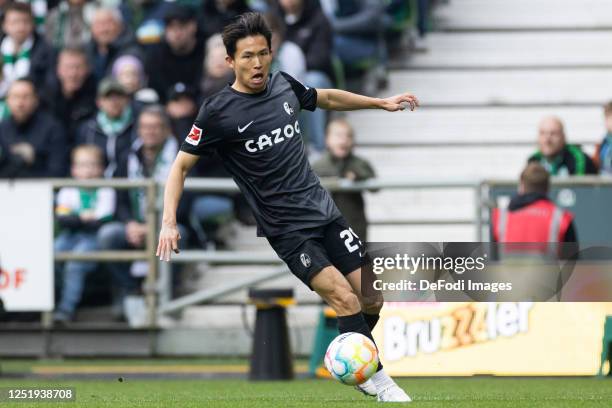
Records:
x=110, y=88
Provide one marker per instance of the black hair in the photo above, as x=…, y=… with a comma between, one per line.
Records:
x=246, y=25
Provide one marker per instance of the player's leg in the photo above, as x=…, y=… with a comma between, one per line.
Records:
x=371, y=303
x=336, y=290
x=347, y=253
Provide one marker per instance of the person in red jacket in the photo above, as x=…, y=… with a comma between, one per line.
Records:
x=531, y=217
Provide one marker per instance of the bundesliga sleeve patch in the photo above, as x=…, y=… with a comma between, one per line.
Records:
x=195, y=135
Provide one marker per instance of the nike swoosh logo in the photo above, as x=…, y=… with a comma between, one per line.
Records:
x=242, y=129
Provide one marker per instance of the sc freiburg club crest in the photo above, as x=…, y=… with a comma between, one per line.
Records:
x=305, y=260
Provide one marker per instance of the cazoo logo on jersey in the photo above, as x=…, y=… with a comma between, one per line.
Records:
x=276, y=136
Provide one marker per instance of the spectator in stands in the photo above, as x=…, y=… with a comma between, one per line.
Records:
x=24, y=52
x=70, y=94
x=531, y=216
x=112, y=127
x=340, y=161
x=150, y=156
x=3, y=88
x=80, y=212
x=216, y=72
x=216, y=14
x=558, y=157
x=603, y=152
x=109, y=40
x=182, y=108
x=179, y=57
x=129, y=72
x=358, y=34
x=68, y=24
x=308, y=27
x=288, y=57
x=33, y=134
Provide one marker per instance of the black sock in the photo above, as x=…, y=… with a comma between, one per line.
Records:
x=371, y=319
x=356, y=323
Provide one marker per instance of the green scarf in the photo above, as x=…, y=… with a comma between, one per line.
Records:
x=4, y=112
x=113, y=127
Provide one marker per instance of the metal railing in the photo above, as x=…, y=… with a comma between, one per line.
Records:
x=157, y=286
x=158, y=281
x=147, y=254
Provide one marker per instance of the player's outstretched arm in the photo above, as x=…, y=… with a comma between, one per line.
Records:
x=169, y=235
x=339, y=100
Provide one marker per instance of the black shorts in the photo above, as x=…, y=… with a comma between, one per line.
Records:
x=308, y=251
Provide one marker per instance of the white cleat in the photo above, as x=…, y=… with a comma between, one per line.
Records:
x=393, y=393
x=367, y=388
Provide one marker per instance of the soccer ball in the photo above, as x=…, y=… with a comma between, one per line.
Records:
x=351, y=358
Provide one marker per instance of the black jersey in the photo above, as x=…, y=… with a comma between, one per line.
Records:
x=258, y=137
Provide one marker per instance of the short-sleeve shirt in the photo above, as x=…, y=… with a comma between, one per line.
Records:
x=258, y=138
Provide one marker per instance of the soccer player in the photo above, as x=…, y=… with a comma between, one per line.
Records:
x=253, y=125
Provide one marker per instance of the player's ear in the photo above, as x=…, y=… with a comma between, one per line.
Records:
x=229, y=61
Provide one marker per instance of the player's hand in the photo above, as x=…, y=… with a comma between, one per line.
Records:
x=400, y=102
x=168, y=242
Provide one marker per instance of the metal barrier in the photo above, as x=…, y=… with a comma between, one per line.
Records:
x=148, y=254
x=157, y=289
x=158, y=282
x=587, y=197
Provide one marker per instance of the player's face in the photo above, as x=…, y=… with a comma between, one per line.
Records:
x=251, y=64
x=551, y=138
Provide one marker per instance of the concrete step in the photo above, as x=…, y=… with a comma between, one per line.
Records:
x=426, y=233
x=205, y=276
x=215, y=317
x=473, y=125
x=521, y=87
x=519, y=49
x=418, y=205
x=435, y=163
x=523, y=14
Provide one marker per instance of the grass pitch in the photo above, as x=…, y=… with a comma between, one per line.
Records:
x=446, y=392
